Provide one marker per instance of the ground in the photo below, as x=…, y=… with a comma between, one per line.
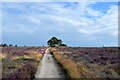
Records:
x=90, y=62
x=20, y=62
x=78, y=62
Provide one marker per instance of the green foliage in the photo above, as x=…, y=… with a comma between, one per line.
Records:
x=10, y=45
x=55, y=42
x=4, y=45
x=15, y=45
x=59, y=42
x=63, y=45
x=52, y=42
x=7, y=45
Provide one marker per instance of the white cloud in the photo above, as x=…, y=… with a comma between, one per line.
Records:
x=59, y=0
x=74, y=16
x=108, y=23
x=64, y=18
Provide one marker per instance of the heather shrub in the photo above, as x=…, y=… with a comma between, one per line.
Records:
x=26, y=72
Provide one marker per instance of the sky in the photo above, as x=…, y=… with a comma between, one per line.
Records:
x=82, y=24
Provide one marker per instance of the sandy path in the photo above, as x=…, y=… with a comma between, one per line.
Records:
x=49, y=68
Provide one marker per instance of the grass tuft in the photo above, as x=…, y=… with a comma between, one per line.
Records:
x=69, y=65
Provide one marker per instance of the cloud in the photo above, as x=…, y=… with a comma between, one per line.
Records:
x=66, y=20
x=59, y=0
x=106, y=23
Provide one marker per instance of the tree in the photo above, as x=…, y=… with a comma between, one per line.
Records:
x=52, y=42
x=55, y=42
x=63, y=45
x=10, y=45
x=15, y=45
x=59, y=42
x=4, y=45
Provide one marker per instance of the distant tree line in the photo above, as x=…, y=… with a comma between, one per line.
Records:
x=53, y=42
x=7, y=45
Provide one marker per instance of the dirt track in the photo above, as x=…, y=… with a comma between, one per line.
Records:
x=49, y=68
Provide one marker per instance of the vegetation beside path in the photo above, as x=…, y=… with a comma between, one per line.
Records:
x=79, y=63
x=20, y=62
x=69, y=65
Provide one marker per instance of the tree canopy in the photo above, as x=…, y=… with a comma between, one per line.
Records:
x=55, y=42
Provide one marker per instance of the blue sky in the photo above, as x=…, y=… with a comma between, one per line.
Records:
x=76, y=23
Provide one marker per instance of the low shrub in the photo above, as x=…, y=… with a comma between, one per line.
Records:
x=26, y=72
x=69, y=65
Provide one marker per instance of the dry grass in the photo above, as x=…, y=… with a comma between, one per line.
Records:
x=69, y=65
x=1, y=56
x=85, y=72
x=17, y=66
x=32, y=55
x=75, y=70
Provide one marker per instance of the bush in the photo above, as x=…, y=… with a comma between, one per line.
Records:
x=70, y=67
x=27, y=71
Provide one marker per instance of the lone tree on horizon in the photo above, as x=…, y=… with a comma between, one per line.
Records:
x=55, y=42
